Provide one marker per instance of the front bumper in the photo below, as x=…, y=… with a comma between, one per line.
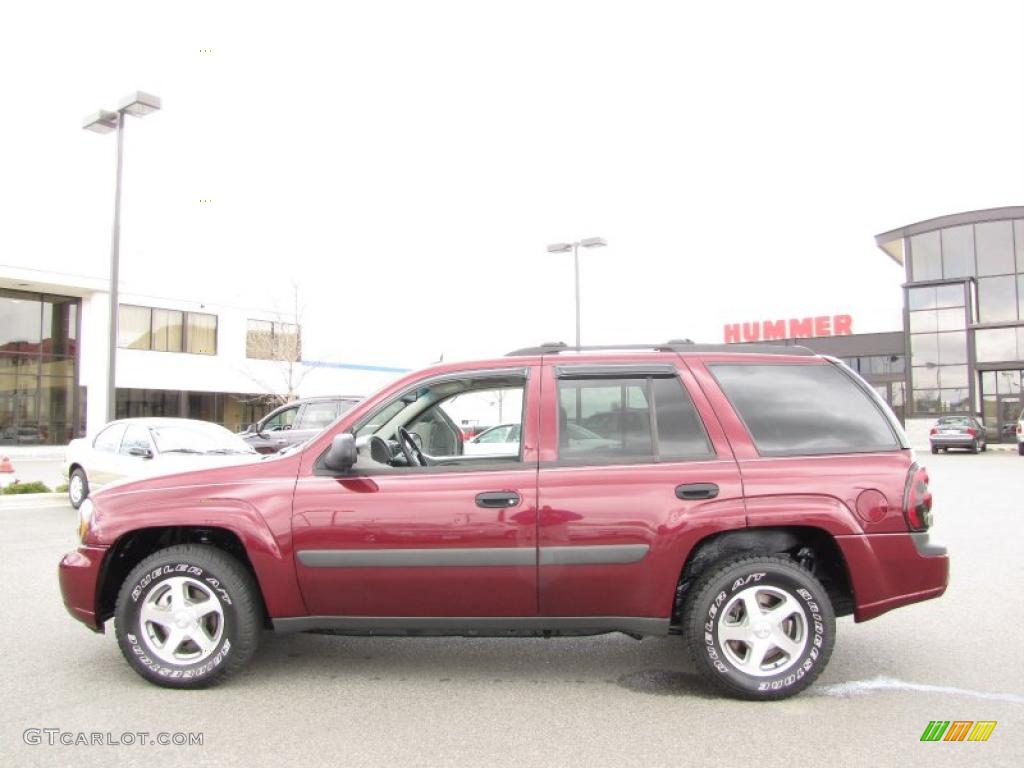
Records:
x=889, y=570
x=79, y=573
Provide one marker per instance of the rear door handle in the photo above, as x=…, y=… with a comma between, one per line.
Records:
x=694, y=491
x=497, y=499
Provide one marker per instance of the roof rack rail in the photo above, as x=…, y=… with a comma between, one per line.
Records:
x=675, y=345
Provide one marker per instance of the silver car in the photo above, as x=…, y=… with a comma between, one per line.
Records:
x=957, y=432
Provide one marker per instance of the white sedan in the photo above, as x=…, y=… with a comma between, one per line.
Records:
x=134, y=448
x=503, y=440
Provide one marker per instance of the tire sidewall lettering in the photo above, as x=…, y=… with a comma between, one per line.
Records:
x=814, y=617
x=150, y=581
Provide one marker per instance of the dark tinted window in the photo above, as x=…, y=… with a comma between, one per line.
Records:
x=610, y=419
x=804, y=409
x=680, y=432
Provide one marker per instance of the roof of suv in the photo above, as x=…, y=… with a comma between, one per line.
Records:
x=684, y=346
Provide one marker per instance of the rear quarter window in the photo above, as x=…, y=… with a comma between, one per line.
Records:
x=800, y=409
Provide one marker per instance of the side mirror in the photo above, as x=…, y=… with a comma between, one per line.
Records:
x=342, y=453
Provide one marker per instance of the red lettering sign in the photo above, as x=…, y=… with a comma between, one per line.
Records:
x=793, y=328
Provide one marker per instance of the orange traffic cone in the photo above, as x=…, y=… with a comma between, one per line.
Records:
x=7, y=476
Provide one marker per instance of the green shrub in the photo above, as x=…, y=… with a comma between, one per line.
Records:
x=34, y=487
x=62, y=488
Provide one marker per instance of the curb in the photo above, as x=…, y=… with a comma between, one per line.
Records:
x=33, y=499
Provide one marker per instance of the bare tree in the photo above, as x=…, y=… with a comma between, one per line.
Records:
x=279, y=341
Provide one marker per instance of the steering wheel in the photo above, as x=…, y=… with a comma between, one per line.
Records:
x=413, y=455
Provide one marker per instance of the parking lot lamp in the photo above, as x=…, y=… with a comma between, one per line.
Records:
x=138, y=104
x=586, y=242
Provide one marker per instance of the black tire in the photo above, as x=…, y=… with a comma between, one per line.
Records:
x=935, y=449
x=975, y=447
x=204, y=575
x=75, y=496
x=717, y=600
x=984, y=447
x=1020, y=448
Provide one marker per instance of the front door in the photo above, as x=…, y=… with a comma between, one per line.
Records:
x=454, y=538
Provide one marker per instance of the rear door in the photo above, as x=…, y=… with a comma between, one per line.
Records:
x=633, y=466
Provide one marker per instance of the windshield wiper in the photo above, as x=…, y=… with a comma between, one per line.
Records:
x=227, y=450
x=180, y=450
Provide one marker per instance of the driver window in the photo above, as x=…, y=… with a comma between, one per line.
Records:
x=432, y=416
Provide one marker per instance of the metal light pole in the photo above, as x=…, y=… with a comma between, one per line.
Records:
x=586, y=242
x=138, y=104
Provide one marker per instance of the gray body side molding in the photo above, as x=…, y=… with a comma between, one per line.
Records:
x=601, y=554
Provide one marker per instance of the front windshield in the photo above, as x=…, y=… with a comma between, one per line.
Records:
x=197, y=437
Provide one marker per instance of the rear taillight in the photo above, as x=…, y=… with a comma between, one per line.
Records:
x=972, y=432
x=917, y=500
x=934, y=431
x=1019, y=429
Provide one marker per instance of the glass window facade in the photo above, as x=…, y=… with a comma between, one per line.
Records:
x=166, y=330
x=40, y=402
x=966, y=336
x=267, y=340
x=235, y=411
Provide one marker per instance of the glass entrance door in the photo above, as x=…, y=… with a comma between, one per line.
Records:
x=1001, y=404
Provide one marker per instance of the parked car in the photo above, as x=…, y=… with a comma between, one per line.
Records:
x=1020, y=434
x=500, y=440
x=768, y=491
x=504, y=439
x=132, y=448
x=957, y=432
x=295, y=422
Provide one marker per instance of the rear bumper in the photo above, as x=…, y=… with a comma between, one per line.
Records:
x=79, y=577
x=889, y=570
x=956, y=441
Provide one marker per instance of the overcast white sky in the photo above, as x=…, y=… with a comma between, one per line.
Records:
x=407, y=162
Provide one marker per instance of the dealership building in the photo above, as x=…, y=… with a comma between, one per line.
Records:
x=961, y=348
x=176, y=357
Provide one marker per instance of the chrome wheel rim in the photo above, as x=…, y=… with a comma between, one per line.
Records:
x=762, y=631
x=182, y=621
x=76, y=488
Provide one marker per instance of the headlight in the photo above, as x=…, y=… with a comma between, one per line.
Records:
x=84, y=519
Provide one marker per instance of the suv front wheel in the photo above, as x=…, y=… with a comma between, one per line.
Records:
x=759, y=627
x=188, y=616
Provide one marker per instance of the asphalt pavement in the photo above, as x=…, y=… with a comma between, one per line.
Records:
x=607, y=700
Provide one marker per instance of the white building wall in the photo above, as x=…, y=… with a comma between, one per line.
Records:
x=228, y=371
x=92, y=357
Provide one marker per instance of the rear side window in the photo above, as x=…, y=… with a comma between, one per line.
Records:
x=317, y=415
x=804, y=409
x=109, y=439
x=608, y=420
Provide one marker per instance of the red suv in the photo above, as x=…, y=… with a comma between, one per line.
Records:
x=738, y=496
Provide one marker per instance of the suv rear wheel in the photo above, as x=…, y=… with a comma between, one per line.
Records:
x=759, y=628
x=188, y=616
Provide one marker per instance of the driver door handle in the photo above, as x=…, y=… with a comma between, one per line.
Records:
x=693, y=491
x=497, y=499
